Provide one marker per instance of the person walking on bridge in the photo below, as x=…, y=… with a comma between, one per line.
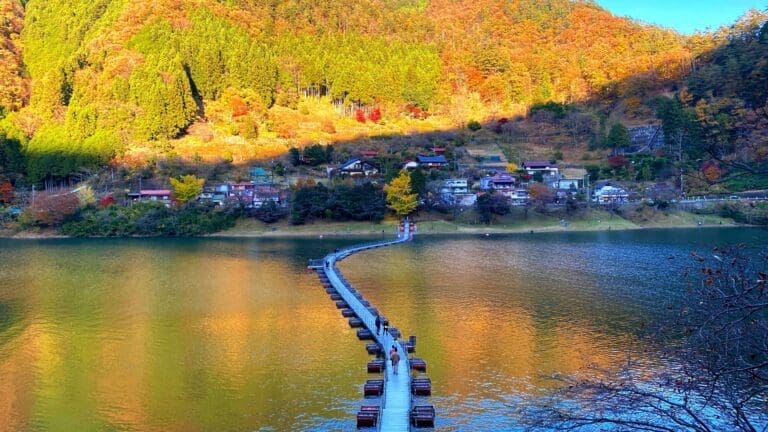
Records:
x=395, y=357
x=378, y=324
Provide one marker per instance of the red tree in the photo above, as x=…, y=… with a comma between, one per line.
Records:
x=618, y=161
x=6, y=192
x=106, y=201
x=51, y=209
x=416, y=112
x=360, y=115
x=375, y=115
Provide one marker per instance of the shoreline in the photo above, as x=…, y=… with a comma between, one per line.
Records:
x=321, y=233
x=465, y=231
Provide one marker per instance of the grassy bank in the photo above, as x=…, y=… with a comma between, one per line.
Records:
x=255, y=228
x=592, y=220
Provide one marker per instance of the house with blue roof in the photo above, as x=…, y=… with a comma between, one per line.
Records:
x=355, y=167
x=432, y=161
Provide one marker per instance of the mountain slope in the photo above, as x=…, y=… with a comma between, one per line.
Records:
x=106, y=74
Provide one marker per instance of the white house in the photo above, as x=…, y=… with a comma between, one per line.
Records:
x=456, y=192
x=544, y=167
x=608, y=194
x=410, y=165
x=518, y=197
x=454, y=186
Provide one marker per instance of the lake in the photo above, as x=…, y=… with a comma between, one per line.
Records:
x=235, y=335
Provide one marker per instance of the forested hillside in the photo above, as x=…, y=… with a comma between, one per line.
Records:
x=719, y=119
x=103, y=78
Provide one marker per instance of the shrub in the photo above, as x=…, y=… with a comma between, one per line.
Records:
x=474, y=125
x=50, y=209
x=150, y=219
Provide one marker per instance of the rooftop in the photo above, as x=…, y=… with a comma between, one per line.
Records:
x=503, y=178
x=155, y=192
x=432, y=159
x=574, y=173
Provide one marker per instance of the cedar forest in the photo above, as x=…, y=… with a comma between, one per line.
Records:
x=89, y=83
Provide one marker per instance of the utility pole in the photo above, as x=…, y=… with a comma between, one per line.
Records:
x=682, y=191
x=586, y=187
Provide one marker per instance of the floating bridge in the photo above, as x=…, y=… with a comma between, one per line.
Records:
x=396, y=411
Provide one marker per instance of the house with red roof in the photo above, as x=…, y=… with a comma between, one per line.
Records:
x=149, y=195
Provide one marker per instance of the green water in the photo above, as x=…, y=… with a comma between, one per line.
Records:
x=235, y=335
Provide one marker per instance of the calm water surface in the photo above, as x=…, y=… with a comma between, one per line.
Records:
x=234, y=335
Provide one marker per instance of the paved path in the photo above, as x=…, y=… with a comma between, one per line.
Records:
x=396, y=402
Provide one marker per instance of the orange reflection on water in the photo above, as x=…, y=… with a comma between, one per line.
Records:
x=488, y=329
x=16, y=376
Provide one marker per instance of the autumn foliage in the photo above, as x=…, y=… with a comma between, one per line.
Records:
x=107, y=200
x=238, y=106
x=711, y=172
x=618, y=161
x=6, y=192
x=375, y=115
x=539, y=192
x=108, y=77
x=400, y=196
x=360, y=115
x=50, y=209
x=416, y=112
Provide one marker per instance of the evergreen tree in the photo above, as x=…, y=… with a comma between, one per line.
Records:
x=418, y=181
x=618, y=137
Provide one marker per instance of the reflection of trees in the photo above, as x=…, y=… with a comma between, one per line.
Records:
x=720, y=380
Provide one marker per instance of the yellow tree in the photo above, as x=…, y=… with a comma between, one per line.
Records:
x=400, y=196
x=187, y=188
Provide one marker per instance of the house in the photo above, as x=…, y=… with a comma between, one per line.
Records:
x=355, y=167
x=499, y=182
x=538, y=166
x=216, y=199
x=570, y=178
x=410, y=165
x=260, y=175
x=438, y=150
x=215, y=195
x=454, y=186
x=609, y=194
x=432, y=161
x=456, y=192
x=149, y=195
x=263, y=194
x=517, y=197
x=241, y=188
